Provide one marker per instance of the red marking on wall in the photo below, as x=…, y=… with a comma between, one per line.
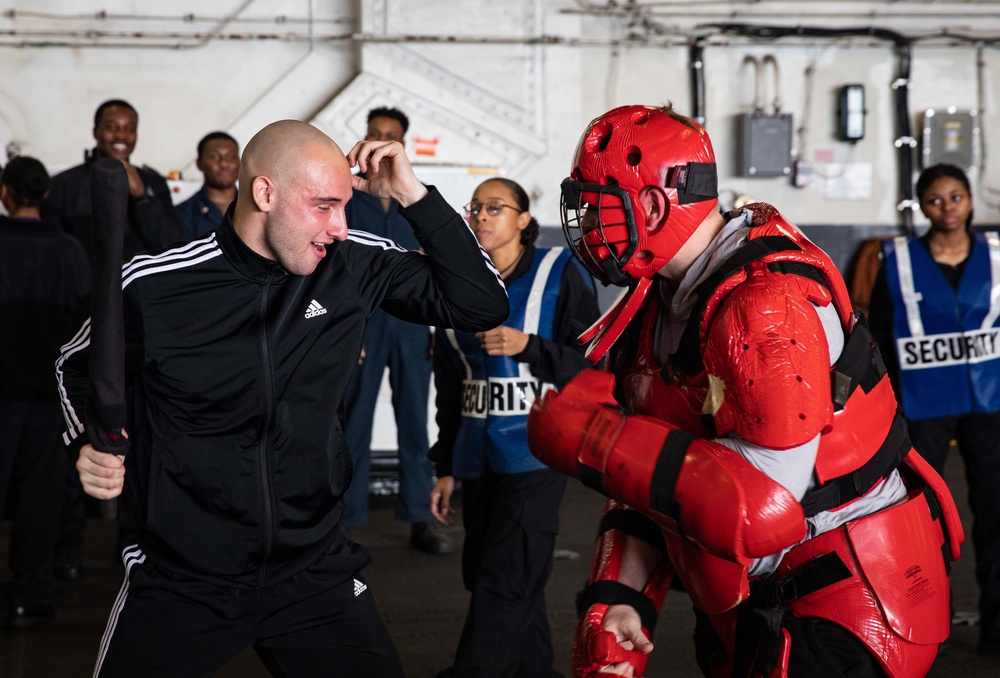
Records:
x=424, y=146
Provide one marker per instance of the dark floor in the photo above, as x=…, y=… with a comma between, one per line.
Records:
x=422, y=601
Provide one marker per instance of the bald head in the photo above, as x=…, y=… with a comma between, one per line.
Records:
x=294, y=183
x=277, y=151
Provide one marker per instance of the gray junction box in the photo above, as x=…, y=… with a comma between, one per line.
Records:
x=765, y=145
x=951, y=136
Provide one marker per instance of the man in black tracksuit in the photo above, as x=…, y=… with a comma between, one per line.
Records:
x=239, y=346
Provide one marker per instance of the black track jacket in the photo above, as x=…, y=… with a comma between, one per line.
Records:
x=238, y=463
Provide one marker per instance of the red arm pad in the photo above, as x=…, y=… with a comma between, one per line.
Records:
x=703, y=490
x=594, y=647
x=713, y=495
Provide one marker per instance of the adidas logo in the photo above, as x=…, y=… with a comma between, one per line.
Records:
x=359, y=588
x=315, y=309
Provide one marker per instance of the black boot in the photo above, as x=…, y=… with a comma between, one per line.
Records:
x=425, y=537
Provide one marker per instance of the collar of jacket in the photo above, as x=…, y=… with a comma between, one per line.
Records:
x=244, y=259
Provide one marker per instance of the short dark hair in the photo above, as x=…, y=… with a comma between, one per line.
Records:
x=212, y=136
x=27, y=181
x=935, y=172
x=387, y=112
x=111, y=103
x=682, y=119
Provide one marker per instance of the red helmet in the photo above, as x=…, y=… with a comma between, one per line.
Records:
x=622, y=152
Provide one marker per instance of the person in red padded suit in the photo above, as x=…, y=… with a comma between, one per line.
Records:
x=745, y=431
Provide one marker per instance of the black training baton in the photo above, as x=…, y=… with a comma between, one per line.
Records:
x=105, y=413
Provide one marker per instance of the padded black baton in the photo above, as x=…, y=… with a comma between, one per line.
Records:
x=105, y=413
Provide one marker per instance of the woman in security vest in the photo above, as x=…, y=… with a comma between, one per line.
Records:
x=934, y=311
x=486, y=383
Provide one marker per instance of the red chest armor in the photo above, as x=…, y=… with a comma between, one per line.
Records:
x=678, y=390
x=664, y=393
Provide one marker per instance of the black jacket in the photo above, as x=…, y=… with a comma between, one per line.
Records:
x=152, y=222
x=44, y=293
x=238, y=463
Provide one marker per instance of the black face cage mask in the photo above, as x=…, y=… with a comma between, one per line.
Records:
x=608, y=270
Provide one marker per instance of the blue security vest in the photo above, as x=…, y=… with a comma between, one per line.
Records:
x=948, y=343
x=497, y=391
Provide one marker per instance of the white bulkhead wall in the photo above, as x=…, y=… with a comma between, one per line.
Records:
x=502, y=87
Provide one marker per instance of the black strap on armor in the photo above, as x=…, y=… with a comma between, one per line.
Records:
x=812, y=576
x=860, y=364
x=668, y=467
x=591, y=477
x=759, y=637
x=801, y=269
x=938, y=514
x=695, y=182
x=846, y=488
x=634, y=524
x=616, y=593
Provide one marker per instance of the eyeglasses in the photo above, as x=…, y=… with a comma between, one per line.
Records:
x=492, y=208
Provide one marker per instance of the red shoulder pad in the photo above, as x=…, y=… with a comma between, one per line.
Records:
x=768, y=361
x=767, y=221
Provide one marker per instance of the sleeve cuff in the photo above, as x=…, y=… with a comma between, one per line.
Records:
x=74, y=440
x=532, y=352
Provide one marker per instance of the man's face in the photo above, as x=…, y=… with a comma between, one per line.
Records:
x=220, y=163
x=384, y=129
x=308, y=214
x=116, y=133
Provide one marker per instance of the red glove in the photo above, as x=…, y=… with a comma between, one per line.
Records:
x=595, y=648
x=558, y=421
x=583, y=432
x=730, y=508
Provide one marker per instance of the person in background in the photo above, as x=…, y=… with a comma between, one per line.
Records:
x=405, y=348
x=219, y=162
x=237, y=465
x=935, y=311
x=44, y=290
x=746, y=432
x=510, y=500
x=151, y=224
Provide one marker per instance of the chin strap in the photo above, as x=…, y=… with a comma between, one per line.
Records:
x=609, y=327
